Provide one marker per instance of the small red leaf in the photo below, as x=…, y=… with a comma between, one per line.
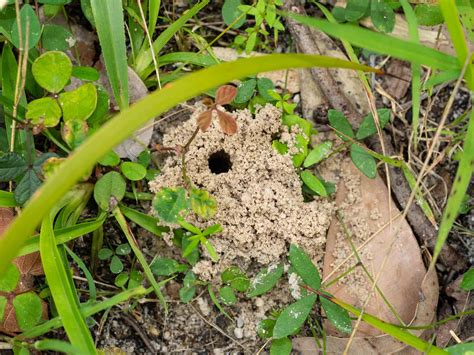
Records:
x=204, y=120
x=227, y=122
x=225, y=94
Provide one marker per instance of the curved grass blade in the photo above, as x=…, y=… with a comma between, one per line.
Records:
x=128, y=121
x=108, y=17
x=377, y=42
x=145, y=57
x=7, y=199
x=392, y=330
x=64, y=297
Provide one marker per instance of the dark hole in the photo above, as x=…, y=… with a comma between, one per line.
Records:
x=219, y=162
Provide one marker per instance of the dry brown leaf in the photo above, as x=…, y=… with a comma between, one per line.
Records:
x=227, y=122
x=225, y=94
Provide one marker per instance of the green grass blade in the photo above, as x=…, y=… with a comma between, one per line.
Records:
x=377, y=42
x=64, y=297
x=415, y=71
x=128, y=121
x=145, y=221
x=87, y=310
x=153, y=11
x=451, y=19
x=458, y=191
x=145, y=58
x=62, y=235
x=7, y=199
x=392, y=330
x=466, y=164
x=141, y=258
x=108, y=16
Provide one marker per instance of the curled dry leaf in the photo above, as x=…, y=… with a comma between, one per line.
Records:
x=227, y=122
x=225, y=94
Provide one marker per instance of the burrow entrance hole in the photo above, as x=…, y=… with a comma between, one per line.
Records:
x=219, y=162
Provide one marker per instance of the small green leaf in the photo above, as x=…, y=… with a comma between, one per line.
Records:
x=202, y=203
x=382, y=16
x=210, y=248
x=280, y=147
x=281, y=346
x=313, y=183
x=227, y=296
x=121, y=279
x=428, y=14
x=368, y=128
x=52, y=71
x=29, y=183
x=265, y=280
x=356, y=9
x=54, y=2
x=144, y=158
x=304, y=267
x=339, y=122
x=74, y=132
x=79, y=104
x=230, y=12
x=170, y=203
x=461, y=349
x=364, y=161
x=28, y=310
x=236, y=278
x=109, y=190
x=30, y=28
x=12, y=165
x=264, y=85
x=102, y=108
x=110, y=159
x=265, y=328
x=305, y=125
x=245, y=91
x=187, y=292
x=123, y=249
x=3, y=303
x=9, y=279
x=56, y=38
x=105, y=254
x=116, y=265
x=320, y=152
x=45, y=111
x=85, y=73
x=133, y=171
x=167, y=267
x=293, y=317
x=467, y=282
x=338, y=316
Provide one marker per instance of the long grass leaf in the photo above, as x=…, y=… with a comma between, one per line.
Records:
x=128, y=121
x=415, y=71
x=7, y=199
x=466, y=164
x=377, y=42
x=108, y=16
x=392, y=330
x=64, y=297
x=145, y=56
x=145, y=221
x=87, y=310
x=153, y=11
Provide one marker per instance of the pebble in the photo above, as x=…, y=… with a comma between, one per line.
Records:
x=240, y=322
x=239, y=333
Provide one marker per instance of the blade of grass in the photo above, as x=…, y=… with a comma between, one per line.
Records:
x=128, y=121
x=415, y=72
x=394, y=331
x=377, y=42
x=466, y=164
x=141, y=258
x=153, y=11
x=7, y=199
x=64, y=297
x=145, y=57
x=108, y=16
x=145, y=221
x=87, y=310
x=62, y=235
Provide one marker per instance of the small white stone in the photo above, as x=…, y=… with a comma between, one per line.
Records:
x=240, y=322
x=239, y=333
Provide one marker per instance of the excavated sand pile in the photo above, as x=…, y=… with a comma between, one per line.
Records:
x=258, y=191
